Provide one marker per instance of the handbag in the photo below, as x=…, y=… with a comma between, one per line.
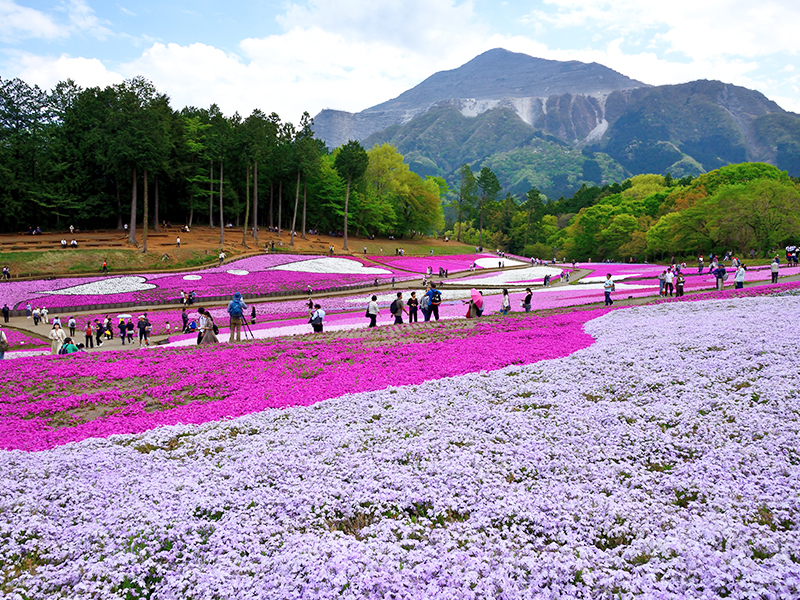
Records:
x=4, y=344
x=368, y=314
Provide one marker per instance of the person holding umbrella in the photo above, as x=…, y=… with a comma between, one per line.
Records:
x=475, y=304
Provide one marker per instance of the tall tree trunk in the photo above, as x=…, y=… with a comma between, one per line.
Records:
x=296, y=202
x=280, y=205
x=460, y=215
x=346, y=207
x=155, y=207
x=255, y=201
x=144, y=224
x=221, y=219
x=246, y=210
x=271, y=196
x=211, y=197
x=480, y=235
x=132, y=234
x=191, y=208
x=305, y=197
x=119, y=207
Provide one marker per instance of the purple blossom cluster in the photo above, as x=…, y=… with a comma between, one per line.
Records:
x=18, y=340
x=659, y=462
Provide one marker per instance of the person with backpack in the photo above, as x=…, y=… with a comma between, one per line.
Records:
x=397, y=308
x=88, y=335
x=435, y=298
x=317, y=317
x=721, y=274
x=68, y=347
x=236, y=308
x=72, y=325
x=373, y=311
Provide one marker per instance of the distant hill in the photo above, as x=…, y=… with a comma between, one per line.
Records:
x=557, y=125
x=495, y=78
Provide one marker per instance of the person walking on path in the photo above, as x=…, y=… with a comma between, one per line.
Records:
x=720, y=273
x=739, y=278
x=208, y=335
x=425, y=307
x=3, y=344
x=185, y=321
x=662, y=282
x=526, y=302
x=98, y=333
x=105, y=267
x=28, y=310
x=505, y=306
x=88, y=336
x=373, y=311
x=57, y=338
x=72, y=325
x=700, y=264
x=608, y=287
x=773, y=270
x=669, y=277
x=435, y=299
x=413, y=306
x=123, y=330
x=253, y=314
x=221, y=258
x=6, y=312
x=178, y=242
x=236, y=308
x=317, y=317
x=397, y=309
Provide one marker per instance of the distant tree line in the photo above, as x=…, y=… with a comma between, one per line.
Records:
x=740, y=207
x=104, y=157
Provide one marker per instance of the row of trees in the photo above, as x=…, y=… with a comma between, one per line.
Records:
x=741, y=207
x=100, y=157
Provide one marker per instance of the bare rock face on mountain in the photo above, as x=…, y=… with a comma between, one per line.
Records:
x=573, y=93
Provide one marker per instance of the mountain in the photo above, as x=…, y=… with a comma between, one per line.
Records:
x=556, y=125
x=497, y=78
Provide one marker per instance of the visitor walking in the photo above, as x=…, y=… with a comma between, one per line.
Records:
x=413, y=306
x=6, y=313
x=739, y=277
x=105, y=267
x=317, y=317
x=669, y=278
x=773, y=270
x=221, y=258
x=373, y=311
x=721, y=274
x=72, y=325
x=608, y=287
x=88, y=335
x=505, y=305
x=680, y=280
x=209, y=331
x=526, y=302
x=435, y=299
x=397, y=308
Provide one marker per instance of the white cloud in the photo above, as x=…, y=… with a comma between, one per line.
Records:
x=22, y=22
x=46, y=72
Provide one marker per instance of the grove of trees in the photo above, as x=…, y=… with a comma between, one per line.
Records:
x=104, y=157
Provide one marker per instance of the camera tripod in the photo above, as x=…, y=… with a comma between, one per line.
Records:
x=245, y=328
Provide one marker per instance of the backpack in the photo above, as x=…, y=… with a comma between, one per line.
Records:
x=63, y=349
x=236, y=309
x=436, y=297
x=393, y=307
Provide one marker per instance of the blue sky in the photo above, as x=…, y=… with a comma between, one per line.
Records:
x=288, y=57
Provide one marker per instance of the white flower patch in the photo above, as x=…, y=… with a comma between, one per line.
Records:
x=104, y=287
x=192, y=277
x=342, y=266
x=491, y=263
x=238, y=272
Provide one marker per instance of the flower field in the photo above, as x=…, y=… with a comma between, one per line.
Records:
x=255, y=275
x=660, y=461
